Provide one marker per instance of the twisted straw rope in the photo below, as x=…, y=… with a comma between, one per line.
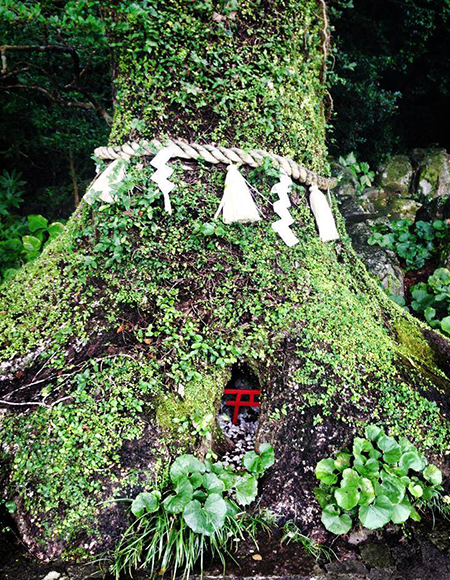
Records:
x=216, y=154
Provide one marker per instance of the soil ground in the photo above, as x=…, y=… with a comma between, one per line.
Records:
x=417, y=553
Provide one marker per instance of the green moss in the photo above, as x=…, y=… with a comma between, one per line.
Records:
x=199, y=398
x=24, y=323
x=61, y=452
x=247, y=75
x=412, y=342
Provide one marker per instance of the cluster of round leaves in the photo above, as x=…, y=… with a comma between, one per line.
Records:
x=205, y=493
x=381, y=480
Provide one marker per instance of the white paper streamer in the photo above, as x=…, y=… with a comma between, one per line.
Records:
x=237, y=202
x=323, y=214
x=282, y=226
x=106, y=182
x=162, y=174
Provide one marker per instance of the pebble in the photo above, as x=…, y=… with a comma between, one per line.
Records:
x=242, y=434
x=52, y=576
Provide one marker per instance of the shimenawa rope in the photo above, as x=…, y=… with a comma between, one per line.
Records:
x=216, y=154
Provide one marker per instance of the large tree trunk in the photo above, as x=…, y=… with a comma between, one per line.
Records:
x=133, y=317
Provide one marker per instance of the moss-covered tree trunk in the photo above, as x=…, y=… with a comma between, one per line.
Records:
x=133, y=318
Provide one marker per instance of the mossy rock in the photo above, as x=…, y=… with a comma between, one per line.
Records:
x=396, y=175
x=433, y=175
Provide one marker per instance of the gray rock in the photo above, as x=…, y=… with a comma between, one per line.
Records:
x=433, y=174
x=396, y=175
x=382, y=262
x=385, y=204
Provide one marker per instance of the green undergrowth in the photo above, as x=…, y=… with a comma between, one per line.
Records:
x=242, y=72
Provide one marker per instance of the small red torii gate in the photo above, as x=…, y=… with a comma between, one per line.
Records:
x=238, y=402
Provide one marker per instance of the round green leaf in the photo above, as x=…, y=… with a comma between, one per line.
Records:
x=373, y=432
x=410, y=460
x=401, y=512
x=391, y=449
x=267, y=454
x=325, y=471
x=392, y=487
x=415, y=490
x=246, y=489
x=367, y=492
x=31, y=243
x=335, y=522
x=185, y=465
x=377, y=514
x=176, y=503
x=361, y=446
x=347, y=497
x=252, y=462
x=350, y=478
x=432, y=474
x=445, y=324
x=212, y=483
x=208, y=518
x=369, y=468
x=37, y=222
x=342, y=461
x=143, y=503
x=229, y=479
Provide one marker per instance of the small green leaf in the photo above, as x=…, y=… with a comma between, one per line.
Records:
x=377, y=514
x=267, y=454
x=342, y=461
x=415, y=490
x=251, y=461
x=367, y=492
x=229, y=479
x=143, y=503
x=11, y=506
x=212, y=483
x=445, y=324
x=335, y=522
x=361, y=446
x=176, y=503
x=432, y=474
x=415, y=515
x=373, y=432
x=350, y=478
x=392, y=487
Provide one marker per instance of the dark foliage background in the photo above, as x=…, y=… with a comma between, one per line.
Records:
x=391, y=75
x=389, y=81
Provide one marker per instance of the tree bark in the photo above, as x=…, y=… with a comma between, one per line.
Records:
x=139, y=316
